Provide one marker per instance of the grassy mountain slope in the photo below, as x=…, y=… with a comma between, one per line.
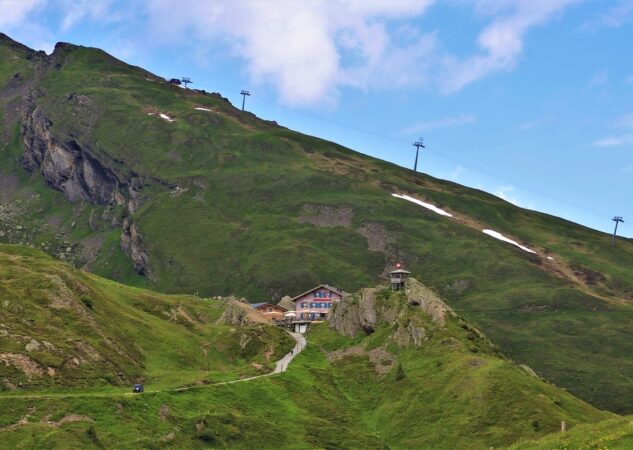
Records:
x=61, y=328
x=614, y=434
x=408, y=381
x=220, y=202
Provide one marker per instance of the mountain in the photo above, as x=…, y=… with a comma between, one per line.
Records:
x=113, y=169
x=390, y=370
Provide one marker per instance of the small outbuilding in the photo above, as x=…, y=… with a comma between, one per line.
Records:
x=398, y=278
x=269, y=310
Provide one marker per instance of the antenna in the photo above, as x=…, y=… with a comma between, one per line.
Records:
x=244, y=94
x=186, y=80
x=417, y=145
x=617, y=220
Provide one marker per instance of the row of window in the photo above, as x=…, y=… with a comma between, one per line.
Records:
x=313, y=316
x=327, y=294
x=316, y=305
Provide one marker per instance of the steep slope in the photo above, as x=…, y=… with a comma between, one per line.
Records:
x=174, y=188
x=613, y=434
x=61, y=328
x=410, y=374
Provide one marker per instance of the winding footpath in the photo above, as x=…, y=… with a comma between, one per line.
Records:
x=280, y=367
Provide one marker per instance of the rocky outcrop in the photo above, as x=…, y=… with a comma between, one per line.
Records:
x=67, y=165
x=419, y=295
x=132, y=245
x=239, y=313
x=327, y=216
x=286, y=302
x=355, y=313
x=364, y=312
x=72, y=168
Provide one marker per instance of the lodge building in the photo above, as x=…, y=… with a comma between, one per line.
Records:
x=316, y=303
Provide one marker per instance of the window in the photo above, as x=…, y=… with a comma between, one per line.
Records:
x=270, y=310
x=303, y=305
x=314, y=295
x=330, y=294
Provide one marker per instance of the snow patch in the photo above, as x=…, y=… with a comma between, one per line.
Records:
x=501, y=237
x=150, y=114
x=550, y=258
x=204, y=109
x=433, y=208
x=166, y=117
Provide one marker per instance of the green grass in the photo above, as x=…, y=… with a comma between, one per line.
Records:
x=233, y=228
x=613, y=434
x=441, y=400
x=96, y=334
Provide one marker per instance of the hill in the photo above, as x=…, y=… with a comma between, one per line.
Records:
x=61, y=328
x=112, y=169
x=615, y=434
x=391, y=370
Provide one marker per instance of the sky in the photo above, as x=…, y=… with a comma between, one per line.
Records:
x=530, y=100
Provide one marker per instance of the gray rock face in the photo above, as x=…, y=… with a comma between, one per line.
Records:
x=419, y=295
x=286, y=302
x=239, y=313
x=354, y=314
x=71, y=168
x=67, y=165
x=132, y=245
x=362, y=313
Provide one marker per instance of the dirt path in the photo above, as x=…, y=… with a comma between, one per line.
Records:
x=280, y=366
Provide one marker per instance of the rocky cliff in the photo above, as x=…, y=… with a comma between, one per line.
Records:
x=67, y=155
x=412, y=315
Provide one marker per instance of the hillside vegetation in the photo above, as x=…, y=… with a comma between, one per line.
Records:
x=63, y=329
x=613, y=434
x=391, y=370
x=110, y=168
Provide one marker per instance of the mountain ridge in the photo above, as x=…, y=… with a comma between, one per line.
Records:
x=193, y=195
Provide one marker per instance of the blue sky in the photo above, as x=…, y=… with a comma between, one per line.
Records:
x=531, y=100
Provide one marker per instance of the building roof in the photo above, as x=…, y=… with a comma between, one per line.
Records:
x=325, y=286
x=400, y=271
x=259, y=305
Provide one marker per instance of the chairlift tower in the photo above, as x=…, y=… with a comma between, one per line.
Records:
x=186, y=81
x=244, y=93
x=617, y=220
x=417, y=146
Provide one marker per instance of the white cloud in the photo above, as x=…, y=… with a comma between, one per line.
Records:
x=501, y=42
x=614, y=141
x=79, y=10
x=455, y=174
x=534, y=123
x=306, y=50
x=615, y=17
x=629, y=79
x=505, y=193
x=14, y=12
x=627, y=169
x=599, y=78
x=625, y=121
x=462, y=119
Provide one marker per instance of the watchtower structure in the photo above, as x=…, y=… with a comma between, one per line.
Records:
x=398, y=278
